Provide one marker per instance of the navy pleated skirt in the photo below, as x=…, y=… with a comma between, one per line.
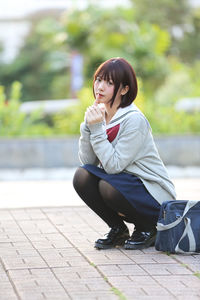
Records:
x=132, y=188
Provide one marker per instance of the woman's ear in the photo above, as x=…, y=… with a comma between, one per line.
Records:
x=124, y=90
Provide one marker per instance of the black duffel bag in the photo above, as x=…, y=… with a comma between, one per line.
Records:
x=178, y=227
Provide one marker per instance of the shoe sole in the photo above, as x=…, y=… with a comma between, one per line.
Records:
x=150, y=243
x=118, y=243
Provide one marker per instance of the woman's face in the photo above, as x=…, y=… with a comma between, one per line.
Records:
x=103, y=90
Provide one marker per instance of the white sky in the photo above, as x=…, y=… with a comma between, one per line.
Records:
x=19, y=8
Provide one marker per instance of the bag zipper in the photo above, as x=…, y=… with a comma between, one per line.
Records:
x=164, y=214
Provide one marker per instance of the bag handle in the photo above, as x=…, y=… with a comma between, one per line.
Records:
x=187, y=231
x=190, y=204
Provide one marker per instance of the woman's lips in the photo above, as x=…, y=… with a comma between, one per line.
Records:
x=99, y=95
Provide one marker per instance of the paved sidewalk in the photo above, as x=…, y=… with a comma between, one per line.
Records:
x=56, y=193
x=47, y=253
x=46, y=250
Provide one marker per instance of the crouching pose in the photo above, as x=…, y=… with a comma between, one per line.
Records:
x=122, y=178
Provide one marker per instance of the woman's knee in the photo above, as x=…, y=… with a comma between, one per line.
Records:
x=79, y=177
x=83, y=179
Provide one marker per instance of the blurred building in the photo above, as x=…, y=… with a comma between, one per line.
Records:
x=16, y=17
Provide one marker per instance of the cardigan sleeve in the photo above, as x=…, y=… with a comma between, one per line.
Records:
x=115, y=159
x=86, y=153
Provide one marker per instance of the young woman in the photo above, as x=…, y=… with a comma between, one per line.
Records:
x=122, y=178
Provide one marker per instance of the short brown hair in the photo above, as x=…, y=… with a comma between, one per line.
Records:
x=120, y=72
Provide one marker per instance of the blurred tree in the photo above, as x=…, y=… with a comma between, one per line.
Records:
x=143, y=34
x=179, y=18
x=165, y=13
x=100, y=34
x=38, y=64
x=189, y=44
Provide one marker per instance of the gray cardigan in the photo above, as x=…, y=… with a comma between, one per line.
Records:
x=132, y=151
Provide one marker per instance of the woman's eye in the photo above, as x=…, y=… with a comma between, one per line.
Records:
x=98, y=79
x=110, y=82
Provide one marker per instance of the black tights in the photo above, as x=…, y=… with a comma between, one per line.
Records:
x=108, y=203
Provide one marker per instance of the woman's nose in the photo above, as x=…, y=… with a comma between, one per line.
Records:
x=101, y=85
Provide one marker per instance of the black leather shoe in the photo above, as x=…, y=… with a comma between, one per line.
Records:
x=115, y=237
x=140, y=240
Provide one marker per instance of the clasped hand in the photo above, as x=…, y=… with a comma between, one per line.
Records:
x=94, y=114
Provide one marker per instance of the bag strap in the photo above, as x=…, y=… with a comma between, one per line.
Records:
x=188, y=231
x=190, y=204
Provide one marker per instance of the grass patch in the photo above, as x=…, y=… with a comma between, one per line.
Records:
x=118, y=293
x=184, y=265
x=197, y=274
x=93, y=265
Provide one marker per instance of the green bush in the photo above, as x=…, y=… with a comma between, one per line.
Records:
x=68, y=122
x=13, y=122
x=164, y=119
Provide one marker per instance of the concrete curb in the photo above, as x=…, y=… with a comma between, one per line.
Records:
x=21, y=153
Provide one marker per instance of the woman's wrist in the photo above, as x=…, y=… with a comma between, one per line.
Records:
x=96, y=127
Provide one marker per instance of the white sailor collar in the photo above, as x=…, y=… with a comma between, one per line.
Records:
x=121, y=114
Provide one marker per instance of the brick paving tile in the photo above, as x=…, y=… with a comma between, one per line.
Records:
x=63, y=257
x=23, y=263
x=44, y=237
x=96, y=284
x=5, y=215
x=178, y=280
x=188, y=297
x=165, y=269
x=77, y=262
x=190, y=261
x=184, y=285
x=36, y=226
x=194, y=267
x=34, y=295
x=50, y=244
x=6, y=289
x=9, y=227
x=5, y=295
x=150, y=250
x=110, y=257
x=78, y=272
x=18, y=253
x=40, y=282
x=149, y=297
x=11, y=238
x=183, y=291
x=5, y=247
x=187, y=258
x=135, y=293
x=27, y=214
x=97, y=295
x=22, y=245
x=131, y=253
x=81, y=282
x=151, y=258
x=119, y=270
x=138, y=285
x=133, y=280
